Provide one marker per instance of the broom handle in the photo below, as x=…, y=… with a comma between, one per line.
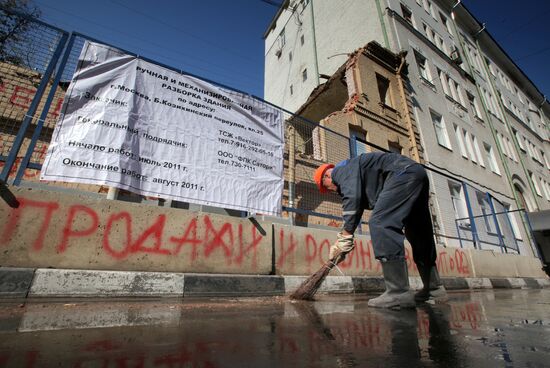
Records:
x=333, y=263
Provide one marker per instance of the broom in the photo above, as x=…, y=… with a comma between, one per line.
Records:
x=309, y=287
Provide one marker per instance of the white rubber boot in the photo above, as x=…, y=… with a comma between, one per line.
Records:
x=398, y=294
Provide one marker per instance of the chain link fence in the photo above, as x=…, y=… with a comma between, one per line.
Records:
x=29, y=50
x=37, y=67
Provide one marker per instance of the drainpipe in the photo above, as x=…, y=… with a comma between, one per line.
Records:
x=383, y=24
x=400, y=82
x=453, y=9
x=314, y=44
x=507, y=124
x=488, y=115
x=516, y=145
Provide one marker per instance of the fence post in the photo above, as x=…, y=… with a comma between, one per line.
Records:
x=18, y=141
x=471, y=216
x=499, y=233
x=44, y=114
x=291, y=170
x=532, y=236
x=459, y=236
x=352, y=146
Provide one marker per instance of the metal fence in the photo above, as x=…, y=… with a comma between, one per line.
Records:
x=38, y=65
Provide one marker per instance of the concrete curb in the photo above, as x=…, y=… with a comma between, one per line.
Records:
x=37, y=283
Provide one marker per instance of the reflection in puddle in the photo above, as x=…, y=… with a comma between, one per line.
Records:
x=334, y=331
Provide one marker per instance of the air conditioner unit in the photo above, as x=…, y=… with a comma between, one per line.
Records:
x=455, y=56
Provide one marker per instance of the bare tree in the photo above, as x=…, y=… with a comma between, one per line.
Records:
x=15, y=24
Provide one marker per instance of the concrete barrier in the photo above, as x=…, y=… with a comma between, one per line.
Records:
x=55, y=230
x=529, y=267
x=490, y=264
x=302, y=251
x=219, y=254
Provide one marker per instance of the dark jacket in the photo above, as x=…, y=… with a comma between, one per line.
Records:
x=360, y=181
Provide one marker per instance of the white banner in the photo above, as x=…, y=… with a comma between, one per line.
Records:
x=137, y=126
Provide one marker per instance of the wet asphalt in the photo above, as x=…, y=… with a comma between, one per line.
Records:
x=500, y=328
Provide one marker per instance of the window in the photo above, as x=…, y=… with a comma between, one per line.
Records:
x=545, y=160
x=469, y=146
x=473, y=105
x=491, y=158
x=435, y=38
x=518, y=138
x=512, y=218
x=428, y=32
x=459, y=204
x=451, y=87
x=432, y=10
x=282, y=38
x=511, y=149
x=521, y=99
x=384, y=89
x=535, y=183
x=302, y=40
x=478, y=152
x=545, y=188
x=488, y=219
x=491, y=67
x=422, y=67
x=443, y=80
x=440, y=44
x=502, y=145
x=474, y=56
x=291, y=89
x=407, y=14
x=445, y=23
x=461, y=146
x=360, y=147
x=290, y=56
x=440, y=130
x=395, y=147
x=491, y=103
x=304, y=75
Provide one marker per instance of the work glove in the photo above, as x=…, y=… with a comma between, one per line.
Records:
x=343, y=245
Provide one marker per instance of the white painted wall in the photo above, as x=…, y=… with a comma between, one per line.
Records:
x=340, y=28
x=343, y=26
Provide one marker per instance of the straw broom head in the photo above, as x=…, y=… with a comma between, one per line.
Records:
x=309, y=287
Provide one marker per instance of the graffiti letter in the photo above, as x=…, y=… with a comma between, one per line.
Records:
x=180, y=242
x=107, y=245
x=156, y=231
x=15, y=216
x=68, y=230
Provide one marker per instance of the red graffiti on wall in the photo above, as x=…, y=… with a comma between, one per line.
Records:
x=81, y=222
x=314, y=250
x=285, y=251
x=22, y=97
x=453, y=263
x=39, y=156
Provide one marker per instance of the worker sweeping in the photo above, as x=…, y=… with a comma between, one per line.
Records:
x=396, y=189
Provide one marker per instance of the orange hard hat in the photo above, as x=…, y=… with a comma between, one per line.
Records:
x=318, y=176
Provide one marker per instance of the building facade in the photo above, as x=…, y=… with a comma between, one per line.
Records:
x=479, y=117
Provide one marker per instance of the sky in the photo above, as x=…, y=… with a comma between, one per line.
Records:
x=222, y=40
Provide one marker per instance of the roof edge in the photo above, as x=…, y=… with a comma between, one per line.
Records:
x=271, y=26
